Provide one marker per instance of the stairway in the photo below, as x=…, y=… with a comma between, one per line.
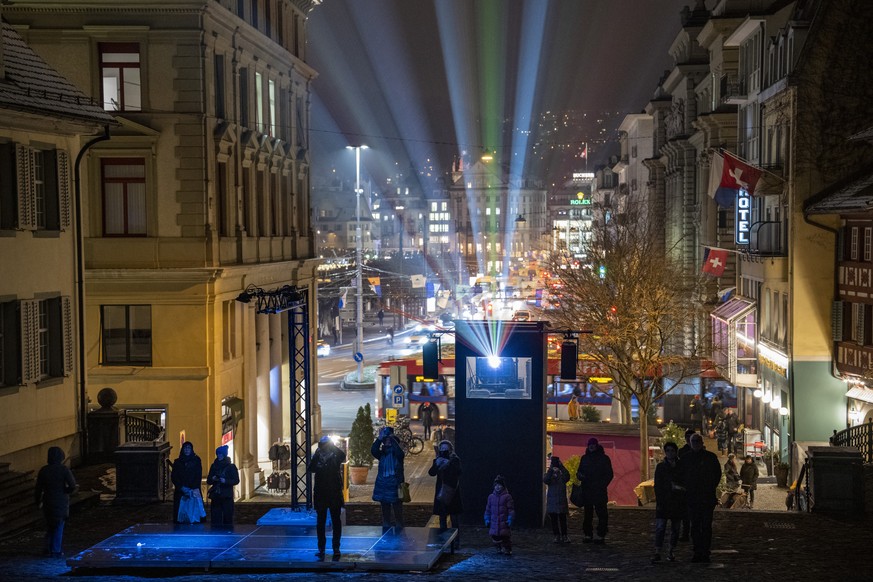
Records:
x=17, y=507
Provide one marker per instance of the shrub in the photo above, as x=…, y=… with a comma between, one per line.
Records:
x=589, y=413
x=361, y=438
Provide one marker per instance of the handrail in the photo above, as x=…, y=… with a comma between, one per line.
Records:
x=138, y=429
x=860, y=436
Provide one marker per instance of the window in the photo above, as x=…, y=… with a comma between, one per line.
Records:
x=46, y=329
x=124, y=199
x=120, y=70
x=868, y=241
x=244, y=96
x=34, y=188
x=219, y=86
x=230, y=325
x=271, y=95
x=259, y=102
x=9, y=360
x=853, y=253
x=126, y=335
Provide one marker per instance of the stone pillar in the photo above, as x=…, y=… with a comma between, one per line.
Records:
x=262, y=335
x=275, y=378
x=249, y=466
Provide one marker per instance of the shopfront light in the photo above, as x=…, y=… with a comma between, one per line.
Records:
x=758, y=393
x=783, y=411
x=766, y=398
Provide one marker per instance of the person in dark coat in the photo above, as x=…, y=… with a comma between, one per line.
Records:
x=749, y=476
x=446, y=468
x=732, y=425
x=222, y=477
x=594, y=475
x=669, y=501
x=556, y=479
x=499, y=515
x=700, y=474
x=327, y=467
x=186, y=475
x=427, y=414
x=54, y=485
x=386, y=449
x=686, y=524
x=697, y=410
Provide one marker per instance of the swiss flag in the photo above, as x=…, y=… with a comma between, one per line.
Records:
x=714, y=261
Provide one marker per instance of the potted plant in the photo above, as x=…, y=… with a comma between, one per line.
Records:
x=780, y=470
x=360, y=441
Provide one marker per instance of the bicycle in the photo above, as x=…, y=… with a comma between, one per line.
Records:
x=410, y=443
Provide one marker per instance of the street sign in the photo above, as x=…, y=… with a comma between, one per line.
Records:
x=359, y=357
x=397, y=401
x=390, y=415
x=398, y=389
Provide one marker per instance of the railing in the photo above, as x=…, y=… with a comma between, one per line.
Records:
x=860, y=436
x=765, y=238
x=733, y=88
x=138, y=429
x=802, y=493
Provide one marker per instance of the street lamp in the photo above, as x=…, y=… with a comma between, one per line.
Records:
x=359, y=317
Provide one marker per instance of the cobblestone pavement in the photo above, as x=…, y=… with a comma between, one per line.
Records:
x=749, y=545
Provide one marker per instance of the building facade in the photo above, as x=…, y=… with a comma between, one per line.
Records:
x=201, y=193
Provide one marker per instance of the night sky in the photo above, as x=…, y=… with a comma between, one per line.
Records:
x=421, y=80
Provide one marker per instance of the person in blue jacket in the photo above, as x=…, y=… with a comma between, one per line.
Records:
x=54, y=484
x=386, y=449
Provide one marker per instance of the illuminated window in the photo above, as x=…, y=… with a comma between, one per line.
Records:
x=271, y=95
x=259, y=102
x=120, y=70
x=124, y=197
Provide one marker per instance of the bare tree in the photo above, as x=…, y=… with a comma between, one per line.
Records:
x=635, y=302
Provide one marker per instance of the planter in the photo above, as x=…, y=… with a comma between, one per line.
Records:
x=358, y=475
x=781, y=476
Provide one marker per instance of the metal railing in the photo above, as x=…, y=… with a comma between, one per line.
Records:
x=860, y=436
x=138, y=429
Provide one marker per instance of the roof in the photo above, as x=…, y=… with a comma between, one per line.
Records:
x=32, y=86
x=853, y=194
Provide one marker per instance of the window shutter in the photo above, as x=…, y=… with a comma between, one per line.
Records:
x=29, y=320
x=64, y=196
x=837, y=321
x=67, y=331
x=859, y=325
x=26, y=207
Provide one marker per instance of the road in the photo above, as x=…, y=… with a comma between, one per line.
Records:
x=339, y=407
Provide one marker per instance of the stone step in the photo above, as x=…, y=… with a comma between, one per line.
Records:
x=13, y=478
x=27, y=519
x=15, y=491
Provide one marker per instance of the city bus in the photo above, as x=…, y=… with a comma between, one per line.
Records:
x=439, y=391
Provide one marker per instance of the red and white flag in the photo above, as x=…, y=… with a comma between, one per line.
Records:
x=584, y=154
x=714, y=261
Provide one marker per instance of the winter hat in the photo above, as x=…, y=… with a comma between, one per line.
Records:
x=688, y=433
x=448, y=444
x=324, y=440
x=188, y=444
x=592, y=441
x=222, y=450
x=499, y=480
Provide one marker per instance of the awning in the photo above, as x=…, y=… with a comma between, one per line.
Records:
x=733, y=309
x=860, y=393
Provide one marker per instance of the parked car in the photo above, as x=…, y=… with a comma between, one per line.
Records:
x=322, y=349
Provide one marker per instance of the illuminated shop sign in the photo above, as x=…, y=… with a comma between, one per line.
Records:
x=743, y=217
x=580, y=200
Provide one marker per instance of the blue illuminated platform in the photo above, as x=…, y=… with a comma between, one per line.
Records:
x=273, y=547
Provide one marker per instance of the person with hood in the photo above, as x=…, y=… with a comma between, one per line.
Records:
x=594, y=475
x=446, y=468
x=327, y=467
x=386, y=449
x=669, y=501
x=749, y=475
x=499, y=515
x=686, y=525
x=222, y=477
x=54, y=485
x=556, y=479
x=187, y=471
x=700, y=474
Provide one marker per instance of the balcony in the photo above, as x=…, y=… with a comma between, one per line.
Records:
x=733, y=89
x=765, y=239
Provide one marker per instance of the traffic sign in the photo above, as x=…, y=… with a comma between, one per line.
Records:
x=397, y=401
x=398, y=389
x=359, y=357
x=390, y=415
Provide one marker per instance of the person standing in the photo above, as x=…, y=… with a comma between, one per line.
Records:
x=499, y=515
x=686, y=525
x=381, y=316
x=669, y=501
x=427, y=410
x=327, y=467
x=386, y=449
x=700, y=473
x=731, y=475
x=732, y=425
x=446, y=468
x=222, y=478
x=595, y=475
x=696, y=408
x=573, y=407
x=749, y=476
x=54, y=485
x=186, y=475
x=556, y=479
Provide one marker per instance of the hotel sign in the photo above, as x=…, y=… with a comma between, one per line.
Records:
x=743, y=219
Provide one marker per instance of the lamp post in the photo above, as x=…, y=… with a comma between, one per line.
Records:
x=359, y=315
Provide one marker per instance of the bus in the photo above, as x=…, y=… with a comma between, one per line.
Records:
x=439, y=391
